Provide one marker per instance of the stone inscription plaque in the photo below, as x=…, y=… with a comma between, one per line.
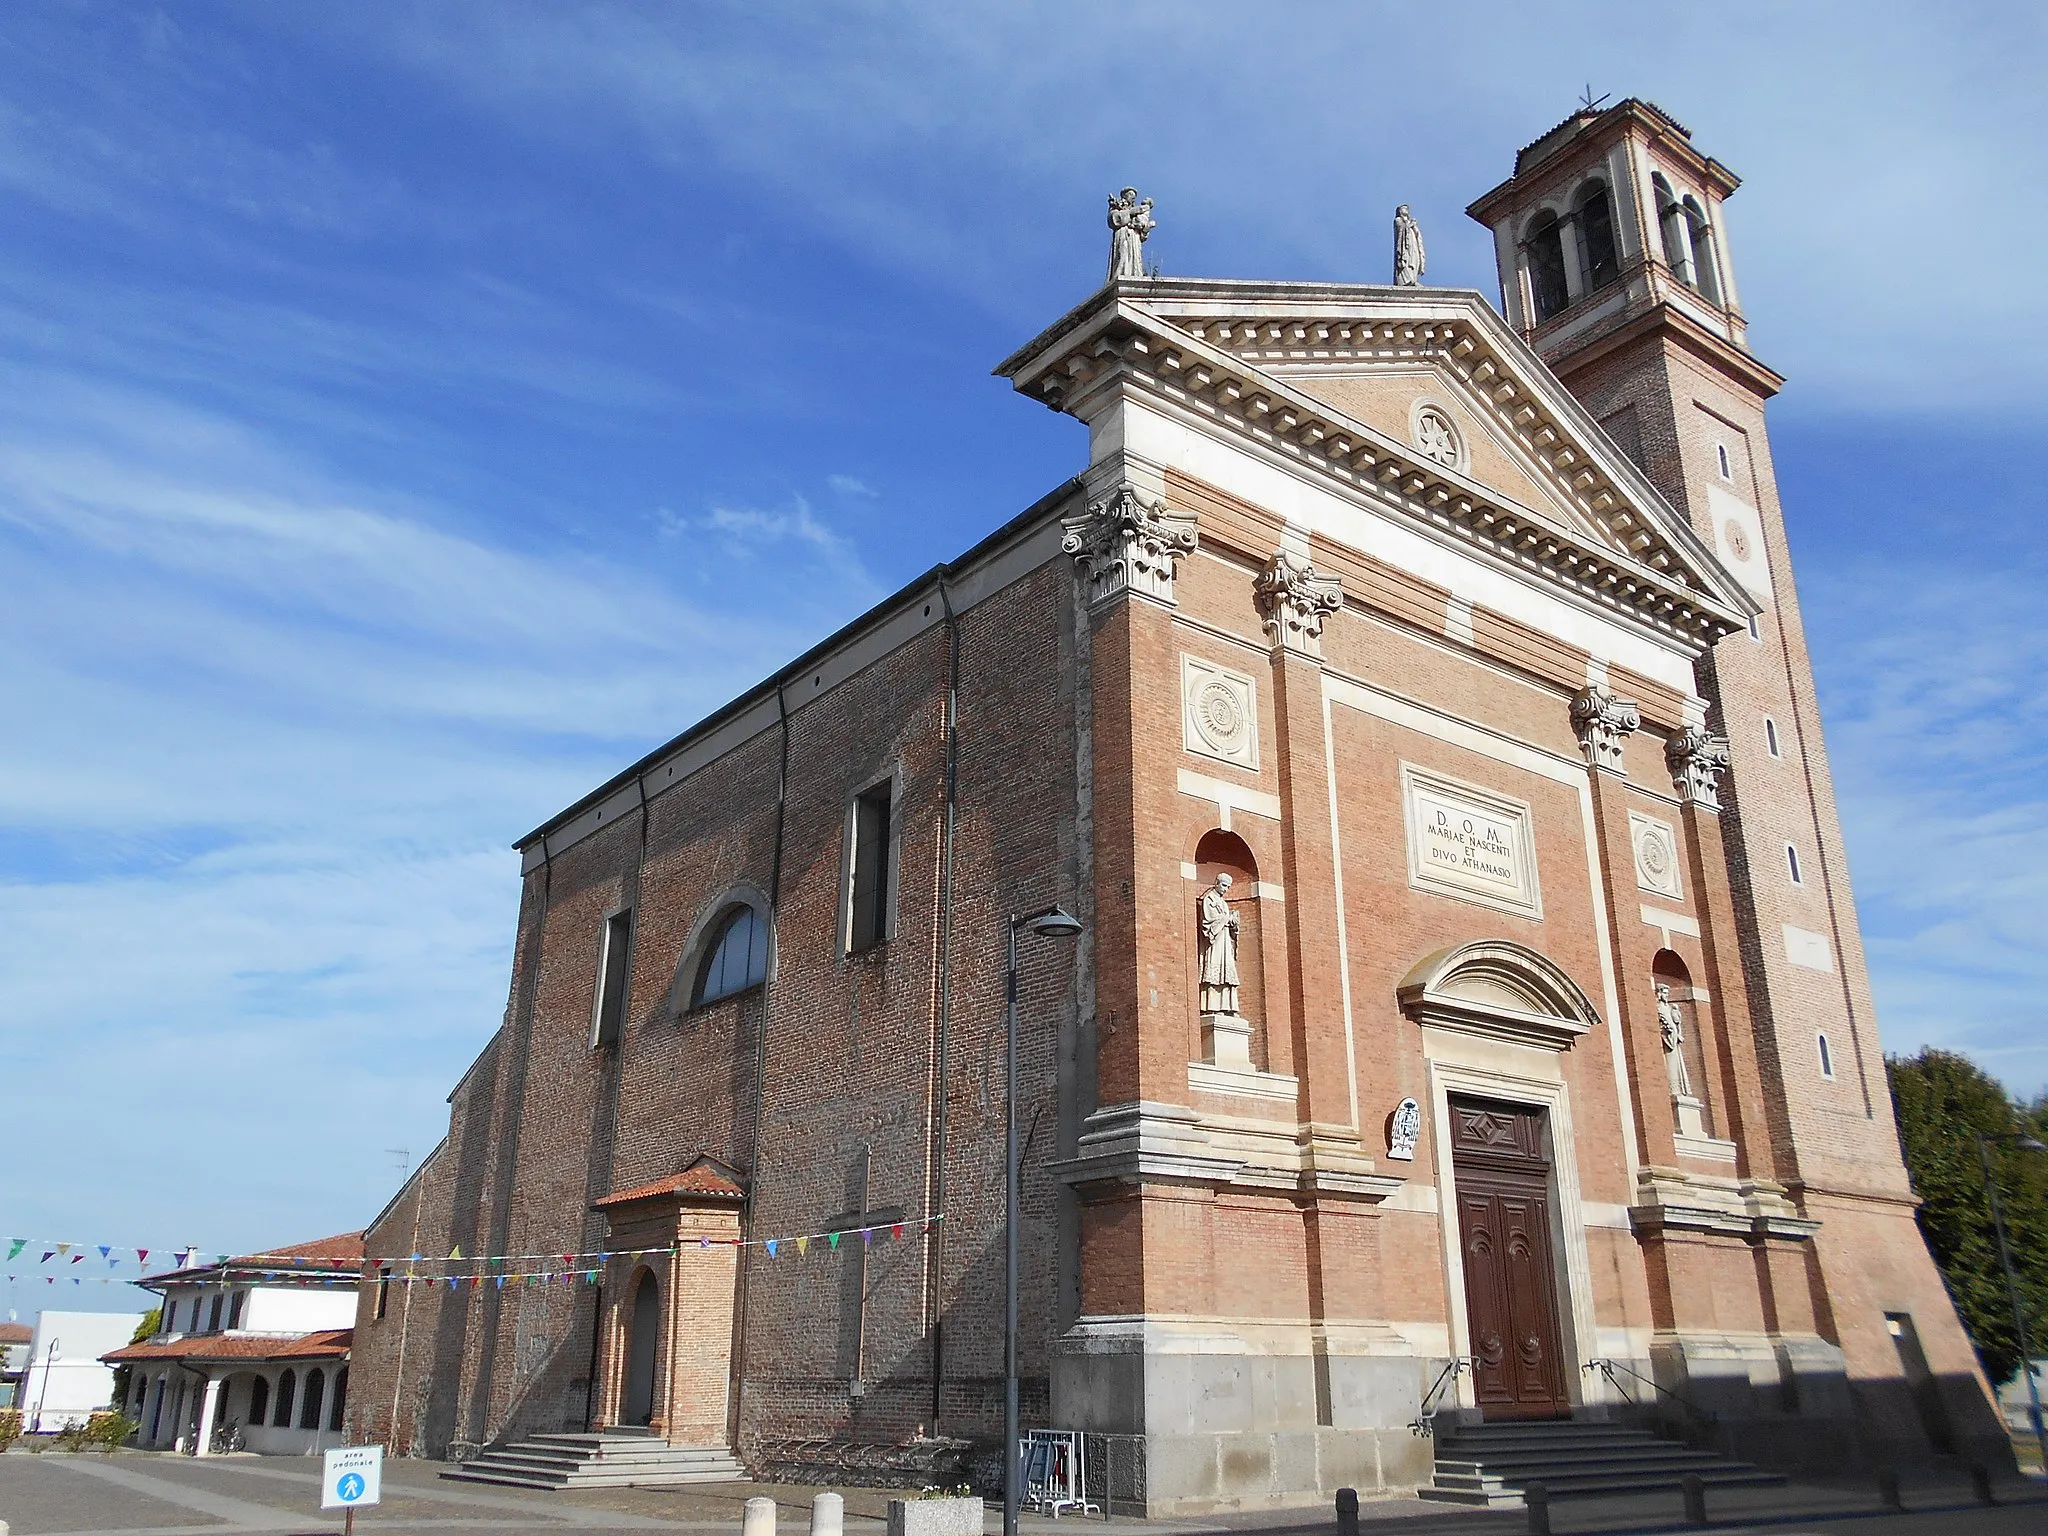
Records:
x=1470, y=843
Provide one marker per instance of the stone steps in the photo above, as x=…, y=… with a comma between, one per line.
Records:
x=1490, y=1464
x=610, y=1459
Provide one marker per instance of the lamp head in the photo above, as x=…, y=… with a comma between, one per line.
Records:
x=1053, y=922
x=2029, y=1144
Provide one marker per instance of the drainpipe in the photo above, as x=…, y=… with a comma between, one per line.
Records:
x=739, y=1368
x=938, y=1186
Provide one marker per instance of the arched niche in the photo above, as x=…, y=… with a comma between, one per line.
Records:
x=1225, y=853
x=1500, y=989
x=1669, y=970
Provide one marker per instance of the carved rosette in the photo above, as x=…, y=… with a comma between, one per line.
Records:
x=1696, y=760
x=1294, y=598
x=1602, y=723
x=1128, y=542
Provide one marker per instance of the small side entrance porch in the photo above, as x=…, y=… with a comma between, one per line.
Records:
x=665, y=1333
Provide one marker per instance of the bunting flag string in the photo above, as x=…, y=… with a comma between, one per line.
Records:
x=456, y=1268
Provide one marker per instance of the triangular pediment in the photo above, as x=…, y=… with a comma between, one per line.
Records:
x=1362, y=382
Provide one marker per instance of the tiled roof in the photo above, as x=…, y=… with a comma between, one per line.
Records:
x=342, y=1251
x=698, y=1179
x=330, y=1344
x=15, y=1333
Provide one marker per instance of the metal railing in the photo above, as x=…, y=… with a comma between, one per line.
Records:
x=1614, y=1370
x=1424, y=1422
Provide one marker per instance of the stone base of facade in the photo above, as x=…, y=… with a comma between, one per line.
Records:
x=1193, y=1417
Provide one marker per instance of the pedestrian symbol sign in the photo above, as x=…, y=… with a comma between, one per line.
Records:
x=353, y=1477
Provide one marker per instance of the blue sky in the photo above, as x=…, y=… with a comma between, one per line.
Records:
x=409, y=414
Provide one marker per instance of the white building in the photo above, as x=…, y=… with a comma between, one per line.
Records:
x=259, y=1343
x=64, y=1380
x=14, y=1339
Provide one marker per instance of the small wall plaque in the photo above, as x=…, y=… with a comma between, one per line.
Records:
x=1402, y=1129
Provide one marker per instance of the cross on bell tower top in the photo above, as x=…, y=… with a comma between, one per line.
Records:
x=1612, y=216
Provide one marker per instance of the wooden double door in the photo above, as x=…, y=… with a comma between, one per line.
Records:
x=1504, y=1214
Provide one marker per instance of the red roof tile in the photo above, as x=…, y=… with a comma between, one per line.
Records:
x=15, y=1333
x=698, y=1179
x=331, y=1343
x=342, y=1251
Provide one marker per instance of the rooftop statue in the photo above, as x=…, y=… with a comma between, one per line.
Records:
x=1409, y=260
x=1130, y=225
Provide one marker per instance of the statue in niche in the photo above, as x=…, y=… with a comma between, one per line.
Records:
x=1671, y=1024
x=1409, y=261
x=1130, y=226
x=1219, y=949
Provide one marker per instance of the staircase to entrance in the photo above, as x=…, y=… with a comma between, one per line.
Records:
x=612, y=1458
x=1493, y=1463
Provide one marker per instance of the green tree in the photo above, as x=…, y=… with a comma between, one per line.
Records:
x=1943, y=1101
x=151, y=1321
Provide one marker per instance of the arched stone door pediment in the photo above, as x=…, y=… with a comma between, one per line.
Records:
x=1499, y=989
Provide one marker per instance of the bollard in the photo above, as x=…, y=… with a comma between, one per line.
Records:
x=1888, y=1490
x=828, y=1515
x=759, y=1519
x=1695, y=1488
x=1537, y=1497
x=1980, y=1484
x=1347, y=1512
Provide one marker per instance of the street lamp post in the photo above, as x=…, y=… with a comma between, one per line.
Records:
x=2012, y=1284
x=1053, y=923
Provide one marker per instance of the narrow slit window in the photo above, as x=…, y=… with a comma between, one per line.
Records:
x=869, y=918
x=383, y=1290
x=1756, y=629
x=1771, y=736
x=1792, y=864
x=1827, y=1057
x=1721, y=459
x=608, y=1012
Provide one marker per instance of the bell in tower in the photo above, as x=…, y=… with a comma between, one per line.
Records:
x=1611, y=216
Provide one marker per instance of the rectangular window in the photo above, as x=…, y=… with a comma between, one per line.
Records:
x=383, y=1290
x=1756, y=629
x=213, y=1313
x=1792, y=864
x=235, y=1309
x=868, y=921
x=608, y=1010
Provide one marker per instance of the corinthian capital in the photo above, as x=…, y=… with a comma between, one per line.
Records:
x=1128, y=542
x=1696, y=759
x=1294, y=598
x=1603, y=722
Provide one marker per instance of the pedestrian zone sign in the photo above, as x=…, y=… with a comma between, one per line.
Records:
x=354, y=1476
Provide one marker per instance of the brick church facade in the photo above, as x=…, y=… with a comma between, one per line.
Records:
x=1468, y=647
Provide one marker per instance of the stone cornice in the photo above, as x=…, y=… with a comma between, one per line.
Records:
x=1210, y=365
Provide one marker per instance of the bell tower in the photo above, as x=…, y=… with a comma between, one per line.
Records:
x=1615, y=266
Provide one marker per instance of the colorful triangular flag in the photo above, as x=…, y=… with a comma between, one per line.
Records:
x=897, y=1232
x=142, y=1256
x=15, y=1245
x=803, y=1245
x=833, y=1239
x=771, y=1254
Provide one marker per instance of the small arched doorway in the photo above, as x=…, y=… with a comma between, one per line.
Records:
x=642, y=1342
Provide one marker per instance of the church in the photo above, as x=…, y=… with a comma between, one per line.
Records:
x=1467, y=1022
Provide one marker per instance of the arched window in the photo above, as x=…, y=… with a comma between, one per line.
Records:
x=259, y=1399
x=1827, y=1057
x=340, y=1398
x=1596, y=232
x=309, y=1410
x=1546, y=267
x=1671, y=226
x=282, y=1419
x=1705, y=276
x=738, y=958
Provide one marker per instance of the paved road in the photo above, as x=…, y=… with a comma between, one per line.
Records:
x=146, y=1494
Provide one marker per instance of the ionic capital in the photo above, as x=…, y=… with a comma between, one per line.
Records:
x=1128, y=542
x=1696, y=760
x=1603, y=723
x=1294, y=598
